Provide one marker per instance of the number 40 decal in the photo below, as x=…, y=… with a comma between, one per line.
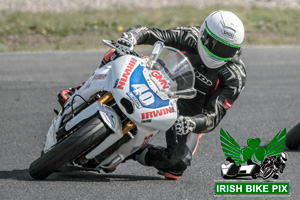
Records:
x=146, y=98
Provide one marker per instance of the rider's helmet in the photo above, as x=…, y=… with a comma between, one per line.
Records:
x=220, y=38
x=283, y=157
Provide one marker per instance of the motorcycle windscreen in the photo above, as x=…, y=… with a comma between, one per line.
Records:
x=177, y=69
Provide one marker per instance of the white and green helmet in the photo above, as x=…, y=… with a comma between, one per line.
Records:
x=220, y=38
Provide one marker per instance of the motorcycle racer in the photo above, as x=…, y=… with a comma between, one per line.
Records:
x=278, y=163
x=214, y=50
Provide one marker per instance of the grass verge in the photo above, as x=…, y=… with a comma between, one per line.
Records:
x=85, y=29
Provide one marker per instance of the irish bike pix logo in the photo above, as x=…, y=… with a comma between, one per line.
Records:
x=253, y=162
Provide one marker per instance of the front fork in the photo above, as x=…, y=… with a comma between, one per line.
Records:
x=107, y=98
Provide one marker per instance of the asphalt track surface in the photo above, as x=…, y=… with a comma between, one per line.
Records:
x=29, y=83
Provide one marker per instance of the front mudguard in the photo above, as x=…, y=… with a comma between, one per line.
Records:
x=107, y=115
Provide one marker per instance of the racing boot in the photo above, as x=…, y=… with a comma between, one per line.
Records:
x=64, y=95
x=157, y=156
x=168, y=175
x=174, y=172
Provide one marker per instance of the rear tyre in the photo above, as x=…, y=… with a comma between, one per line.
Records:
x=68, y=149
x=293, y=138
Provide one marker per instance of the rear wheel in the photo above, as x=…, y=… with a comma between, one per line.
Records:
x=67, y=150
x=293, y=138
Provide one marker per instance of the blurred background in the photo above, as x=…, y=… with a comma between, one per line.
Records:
x=35, y=25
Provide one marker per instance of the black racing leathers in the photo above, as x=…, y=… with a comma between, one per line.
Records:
x=217, y=88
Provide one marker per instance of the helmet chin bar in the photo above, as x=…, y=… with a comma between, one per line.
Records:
x=209, y=61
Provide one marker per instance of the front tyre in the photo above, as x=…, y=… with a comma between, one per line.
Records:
x=268, y=173
x=68, y=149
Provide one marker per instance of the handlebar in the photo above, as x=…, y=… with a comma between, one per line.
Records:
x=113, y=45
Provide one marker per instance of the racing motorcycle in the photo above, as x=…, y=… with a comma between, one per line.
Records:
x=272, y=165
x=117, y=111
x=269, y=169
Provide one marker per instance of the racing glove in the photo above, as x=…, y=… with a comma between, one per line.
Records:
x=126, y=42
x=64, y=95
x=184, y=125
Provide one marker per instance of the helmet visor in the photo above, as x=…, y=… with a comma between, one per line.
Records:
x=218, y=48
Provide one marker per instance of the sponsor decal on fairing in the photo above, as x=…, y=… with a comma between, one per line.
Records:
x=87, y=85
x=116, y=83
x=146, y=140
x=146, y=121
x=109, y=119
x=126, y=74
x=134, y=100
x=156, y=113
x=159, y=80
x=99, y=76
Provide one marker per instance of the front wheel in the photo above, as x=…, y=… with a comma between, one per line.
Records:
x=68, y=149
x=268, y=172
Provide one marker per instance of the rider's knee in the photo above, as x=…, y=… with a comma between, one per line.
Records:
x=163, y=159
x=177, y=169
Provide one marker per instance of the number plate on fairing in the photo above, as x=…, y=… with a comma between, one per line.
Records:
x=140, y=89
